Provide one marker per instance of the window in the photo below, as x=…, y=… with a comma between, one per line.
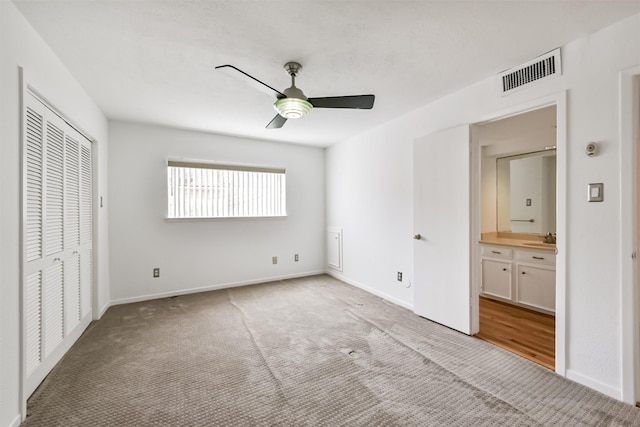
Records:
x=203, y=190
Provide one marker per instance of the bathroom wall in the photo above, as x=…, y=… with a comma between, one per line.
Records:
x=523, y=133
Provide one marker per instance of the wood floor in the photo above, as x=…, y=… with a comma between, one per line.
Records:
x=527, y=333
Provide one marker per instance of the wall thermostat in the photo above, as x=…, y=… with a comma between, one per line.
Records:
x=592, y=149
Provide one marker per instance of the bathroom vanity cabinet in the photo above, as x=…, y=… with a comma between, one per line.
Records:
x=521, y=276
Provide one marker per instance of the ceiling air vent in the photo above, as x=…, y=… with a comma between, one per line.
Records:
x=542, y=67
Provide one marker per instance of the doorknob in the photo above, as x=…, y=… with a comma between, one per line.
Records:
x=417, y=236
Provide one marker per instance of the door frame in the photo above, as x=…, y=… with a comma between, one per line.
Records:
x=629, y=228
x=560, y=101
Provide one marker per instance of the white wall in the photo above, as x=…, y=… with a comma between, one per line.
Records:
x=205, y=254
x=21, y=46
x=369, y=194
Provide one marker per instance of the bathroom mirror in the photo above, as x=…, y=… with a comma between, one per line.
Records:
x=526, y=192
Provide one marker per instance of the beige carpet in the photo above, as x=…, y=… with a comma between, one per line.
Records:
x=302, y=352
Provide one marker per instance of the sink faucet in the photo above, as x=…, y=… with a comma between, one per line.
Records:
x=550, y=238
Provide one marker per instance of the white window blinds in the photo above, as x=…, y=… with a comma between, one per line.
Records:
x=202, y=190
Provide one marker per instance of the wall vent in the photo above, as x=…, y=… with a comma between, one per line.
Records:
x=542, y=67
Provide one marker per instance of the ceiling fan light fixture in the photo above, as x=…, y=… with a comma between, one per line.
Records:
x=292, y=108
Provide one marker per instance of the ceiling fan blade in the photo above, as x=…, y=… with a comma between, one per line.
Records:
x=235, y=72
x=277, y=122
x=364, y=102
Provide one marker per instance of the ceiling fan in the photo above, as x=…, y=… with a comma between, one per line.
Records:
x=292, y=102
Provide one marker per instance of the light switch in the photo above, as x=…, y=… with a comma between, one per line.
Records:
x=595, y=192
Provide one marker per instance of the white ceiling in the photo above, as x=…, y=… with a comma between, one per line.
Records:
x=153, y=61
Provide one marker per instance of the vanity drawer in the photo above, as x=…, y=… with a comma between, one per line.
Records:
x=544, y=258
x=499, y=252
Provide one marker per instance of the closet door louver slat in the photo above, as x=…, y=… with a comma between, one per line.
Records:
x=85, y=194
x=53, y=307
x=54, y=166
x=72, y=292
x=33, y=321
x=86, y=282
x=33, y=234
x=72, y=193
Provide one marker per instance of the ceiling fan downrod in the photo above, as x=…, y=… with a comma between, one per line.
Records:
x=295, y=105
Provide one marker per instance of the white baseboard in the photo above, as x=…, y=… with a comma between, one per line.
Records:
x=103, y=310
x=16, y=421
x=382, y=295
x=211, y=288
x=596, y=385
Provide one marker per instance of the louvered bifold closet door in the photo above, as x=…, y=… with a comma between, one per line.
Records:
x=54, y=180
x=86, y=227
x=72, y=230
x=34, y=118
x=57, y=248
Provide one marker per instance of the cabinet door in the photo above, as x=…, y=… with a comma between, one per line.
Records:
x=496, y=278
x=536, y=286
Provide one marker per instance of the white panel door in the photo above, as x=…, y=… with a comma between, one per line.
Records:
x=442, y=219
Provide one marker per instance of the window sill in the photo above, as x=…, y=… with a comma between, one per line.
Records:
x=227, y=218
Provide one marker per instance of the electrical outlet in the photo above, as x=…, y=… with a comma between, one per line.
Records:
x=296, y=258
x=156, y=272
x=399, y=276
x=274, y=259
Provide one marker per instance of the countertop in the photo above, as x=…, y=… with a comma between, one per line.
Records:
x=521, y=240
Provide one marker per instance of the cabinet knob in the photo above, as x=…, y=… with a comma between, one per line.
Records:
x=523, y=272
x=417, y=236
x=504, y=269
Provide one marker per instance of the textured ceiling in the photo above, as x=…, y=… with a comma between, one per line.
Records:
x=153, y=61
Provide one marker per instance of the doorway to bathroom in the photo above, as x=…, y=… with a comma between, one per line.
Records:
x=516, y=253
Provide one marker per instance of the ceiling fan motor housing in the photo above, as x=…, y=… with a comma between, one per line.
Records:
x=294, y=92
